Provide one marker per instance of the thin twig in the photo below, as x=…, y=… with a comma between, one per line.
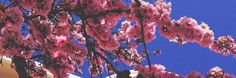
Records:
x=140, y=16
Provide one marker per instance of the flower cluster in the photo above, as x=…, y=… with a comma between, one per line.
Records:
x=26, y=3
x=217, y=72
x=13, y=43
x=36, y=71
x=102, y=33
x=70, y=4
x=13, y=17
x=224, y=45
x=61, y=64
x=194, y=75
x=158, y=13
x=55, y=27
x=158, y=71
x=42, y=7
x=149, y=32
x=130, y=57
x=155, y=71
x=39, y=7
x=187, y=29
x=101, y=5
x=41, y=30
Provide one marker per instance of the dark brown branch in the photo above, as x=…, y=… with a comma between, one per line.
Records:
x=140, y=16
x=1, y=60
x=20, y=66
x=90, y=27
x=88, y=44
x=144, y=43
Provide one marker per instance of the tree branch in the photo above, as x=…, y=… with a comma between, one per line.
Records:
x=140, y=16
x=20, y=66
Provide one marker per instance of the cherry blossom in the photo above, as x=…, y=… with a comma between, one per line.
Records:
x=224, y=45
x=155, y=71
x=194, y=75
x=45, y=29
x=35, y=71
x=13, y=43
x=60, y=40
x=68, y=33
x=42, y=7
x=71, y=4
x=26, y=3
x=61, y=64
x=15, y=13
x=188, y=30
x=218, y=72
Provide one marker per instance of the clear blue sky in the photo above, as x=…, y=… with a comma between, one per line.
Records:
x=220, y=15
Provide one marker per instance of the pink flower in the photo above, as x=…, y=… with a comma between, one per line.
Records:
x=155, y=71
x=63, y=19
x=167, y=31
x=93, y=71
x=90, y=6
x=99, y=32
x=224, y=45
x=61, y=64
x=187, y=22
x=113, y=4
x=41, y=29
x=207, y=39
x=226, y=75
x=13, y=43
x=15, y=15
x=60, y=40
x=109, y=44
x=194, y=75
x=149, y=32
x=42, y=7
x=207, y=36
x=71, y=4
x=26, y=3
x=187, y=30
x=215, y=72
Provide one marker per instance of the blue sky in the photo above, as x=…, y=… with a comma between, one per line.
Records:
x=220, y=15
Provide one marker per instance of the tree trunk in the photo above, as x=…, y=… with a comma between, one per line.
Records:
x=20, y=65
